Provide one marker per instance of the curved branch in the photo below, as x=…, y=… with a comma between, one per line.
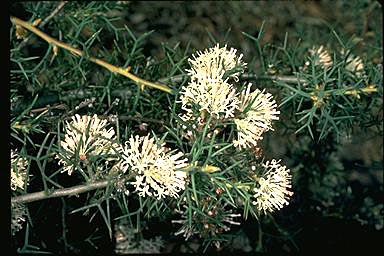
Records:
x=36, y=196
x=77, y=52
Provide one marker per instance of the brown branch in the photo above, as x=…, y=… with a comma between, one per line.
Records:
x=77, y=52
x=36, y=196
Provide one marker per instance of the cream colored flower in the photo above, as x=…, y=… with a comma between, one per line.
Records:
x=247, y=134
x=19, y=213
x=155, y=167
x=272, y=191
x=214, y=62
x=323, y=58
x=257, y=111
x=187, y=115
x=355, y=65
x=85, y=136
x=18, y=171
x=215, y=96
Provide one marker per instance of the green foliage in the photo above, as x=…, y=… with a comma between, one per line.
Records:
x=321, y=108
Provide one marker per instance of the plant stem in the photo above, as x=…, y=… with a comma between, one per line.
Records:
x=77, y=52
x=75, y=190
x=346, y=91
x=286, y=79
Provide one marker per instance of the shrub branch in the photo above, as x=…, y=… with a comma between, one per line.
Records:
x=75, y=190
x=77, y=52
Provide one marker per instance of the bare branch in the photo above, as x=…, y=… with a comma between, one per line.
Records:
x=31, y=197
x=76, y=52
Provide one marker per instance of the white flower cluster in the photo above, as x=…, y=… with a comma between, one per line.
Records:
x=19, y=179
x=258, y=109
x=355, y=65
x=272, y=191
x=209, y=91
x=156, y=168
x=217, y=97
x=18, y=171
x=214, y=62
x=85, y=136
x=322, y=56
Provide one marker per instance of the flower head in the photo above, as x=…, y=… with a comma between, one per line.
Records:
x=272, y=191
x=323, y=58
x=18, y=171
x=215, y=96
x=85, y=137
x=355, y=65
x=214, y=62
x=247, y=134
x=155, y=167
x=257, y=111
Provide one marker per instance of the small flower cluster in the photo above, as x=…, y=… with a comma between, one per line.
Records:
x=215, y=96
x=354, y=64
x=272, y=191
x=259, y=109
x=210, y=91
x=85, y=137
x=18, y=171
x=322, y=58
x=154, y=167
x=214, y=62
x=19, y=179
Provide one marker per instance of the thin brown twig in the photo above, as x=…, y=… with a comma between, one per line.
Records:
x=114, y=69
x=55, y=106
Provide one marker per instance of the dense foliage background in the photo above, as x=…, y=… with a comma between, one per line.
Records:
x=337, y=163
